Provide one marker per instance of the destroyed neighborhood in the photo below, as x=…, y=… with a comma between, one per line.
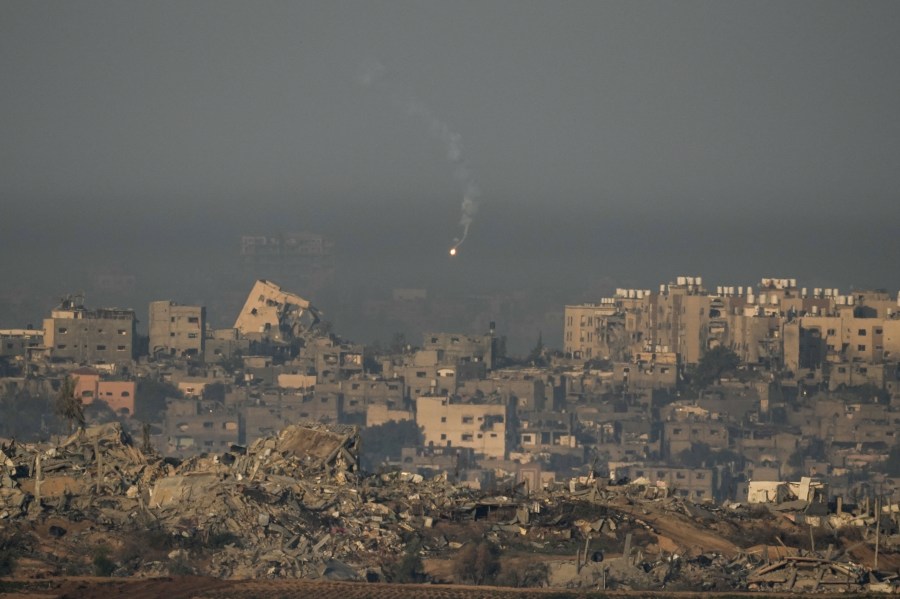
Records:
x=737, y=438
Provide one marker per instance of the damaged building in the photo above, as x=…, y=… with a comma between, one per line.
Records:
x=275, y=316
x=104, y=335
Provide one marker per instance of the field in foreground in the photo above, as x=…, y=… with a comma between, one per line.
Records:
x=190, y=587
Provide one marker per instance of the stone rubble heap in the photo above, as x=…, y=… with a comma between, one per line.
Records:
x=295, y=505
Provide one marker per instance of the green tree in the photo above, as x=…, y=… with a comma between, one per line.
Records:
x=25, y=416
x=387, y=440
x=103, y=564
x=713, y=365
x=151, y=399
x=68, y=406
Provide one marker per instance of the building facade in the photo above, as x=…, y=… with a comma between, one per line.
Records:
x=177, y=330
x=105, y=335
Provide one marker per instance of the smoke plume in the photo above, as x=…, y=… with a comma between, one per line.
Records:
x=374, y=73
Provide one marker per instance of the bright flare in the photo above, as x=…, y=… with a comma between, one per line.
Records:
x=452, y=251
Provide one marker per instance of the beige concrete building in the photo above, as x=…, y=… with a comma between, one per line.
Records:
x=177, y=330
x=192, y=427
x=520, y=390
x=773, y=322
x=274, y=315
x=696, y=484
x=593, y=331
x=680, y=435
x=20, y=342
x=454, y=348
x=480, y=427
x=104, y=335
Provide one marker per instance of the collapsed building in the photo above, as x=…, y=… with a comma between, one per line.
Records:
x=275, y=316
x=295, y=505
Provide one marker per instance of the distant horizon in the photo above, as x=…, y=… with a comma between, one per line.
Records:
x=600, y=145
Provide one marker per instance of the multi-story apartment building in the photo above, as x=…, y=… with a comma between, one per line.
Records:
x=776, y=322
x=453, y=348
x=104, y=335
x=177, y=330
x=681, y=435
x=192, y=427
x=481, y=427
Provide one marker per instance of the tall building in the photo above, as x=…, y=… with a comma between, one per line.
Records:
x=177, y=330
x=103, y=335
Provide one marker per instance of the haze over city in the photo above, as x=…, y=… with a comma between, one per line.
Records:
x=614, y=143
x=380, y=298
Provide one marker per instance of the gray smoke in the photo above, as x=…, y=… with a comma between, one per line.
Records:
x=374, y=73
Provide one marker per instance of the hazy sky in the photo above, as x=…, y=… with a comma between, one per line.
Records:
x=632, y=140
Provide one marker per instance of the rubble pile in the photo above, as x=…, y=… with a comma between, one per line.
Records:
x=71, y=477
x=295, y=505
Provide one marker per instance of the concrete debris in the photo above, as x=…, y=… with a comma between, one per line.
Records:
x=296, y=505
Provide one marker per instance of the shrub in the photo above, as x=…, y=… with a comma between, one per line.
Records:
x=524, y=574
x=103, y=565
x=477, y=564
x=407, y=569
x=12, y=545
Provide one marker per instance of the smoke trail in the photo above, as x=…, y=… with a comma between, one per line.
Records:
x=372, y=73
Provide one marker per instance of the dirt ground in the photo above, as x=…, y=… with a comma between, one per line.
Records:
x=209, y=588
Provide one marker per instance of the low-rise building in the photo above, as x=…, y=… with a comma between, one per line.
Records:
x=118, y=395
x=481, y=427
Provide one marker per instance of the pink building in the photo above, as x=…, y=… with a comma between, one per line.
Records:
x=118, y=395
